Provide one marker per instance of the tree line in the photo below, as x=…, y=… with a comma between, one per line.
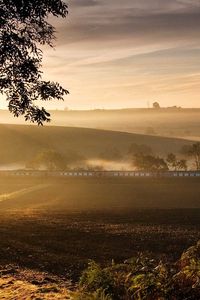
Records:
x=141, y=158
x=156, y=163
x=150, y=162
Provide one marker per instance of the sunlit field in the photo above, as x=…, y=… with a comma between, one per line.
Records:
x=107, y=194
x=57, y=225
x=62, y=243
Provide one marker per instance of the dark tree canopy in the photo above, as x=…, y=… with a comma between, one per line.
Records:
x=24, y=27
x=149, y=163
x=194, y=152
x=176, y=164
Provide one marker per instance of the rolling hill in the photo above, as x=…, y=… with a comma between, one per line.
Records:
x=20, y=143
x=170, y=122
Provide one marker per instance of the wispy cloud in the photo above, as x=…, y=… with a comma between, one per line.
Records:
x=117, y=43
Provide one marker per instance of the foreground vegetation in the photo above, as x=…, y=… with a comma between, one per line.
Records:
x=138, y=278
x=144, y=278
x=61, y=243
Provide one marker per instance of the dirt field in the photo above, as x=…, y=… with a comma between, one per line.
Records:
x=62, y=243
x=56, y=225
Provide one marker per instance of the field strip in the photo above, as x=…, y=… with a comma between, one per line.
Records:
x=8, y=196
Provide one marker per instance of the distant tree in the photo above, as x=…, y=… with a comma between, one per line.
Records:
x=48, y=159
x=23, y=27
x=149, y=163
x=194, y=152
x=182, y=165
x=156, y=105
x=174, y=163
x=54, y=160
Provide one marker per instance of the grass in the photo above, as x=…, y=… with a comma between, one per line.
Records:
x=145, y=278
x=23, y=284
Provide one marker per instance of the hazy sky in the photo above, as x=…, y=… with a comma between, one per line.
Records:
x=124, y=53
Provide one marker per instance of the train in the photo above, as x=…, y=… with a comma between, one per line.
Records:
x=89, y=174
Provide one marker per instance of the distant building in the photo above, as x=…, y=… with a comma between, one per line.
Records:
x=156, y=105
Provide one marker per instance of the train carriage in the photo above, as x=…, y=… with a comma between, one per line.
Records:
x=89, y=174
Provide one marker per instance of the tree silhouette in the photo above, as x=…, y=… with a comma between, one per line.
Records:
x=194, y=152
x=149, y=163
x=182, y=165
x=49, y=159
x=23, y=29
x=172, y=161
x=176, y=164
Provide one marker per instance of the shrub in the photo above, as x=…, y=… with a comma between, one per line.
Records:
x=142, y=278
x=95, y=278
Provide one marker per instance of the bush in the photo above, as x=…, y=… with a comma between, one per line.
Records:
x=143, y=279
x=95, y=278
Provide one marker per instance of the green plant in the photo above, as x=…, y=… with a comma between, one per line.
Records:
x=95, y=278
x=153, y=284
x=141, y=278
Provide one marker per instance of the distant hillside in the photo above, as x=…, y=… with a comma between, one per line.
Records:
x=181, y=123
x=170, y=122
x=20, y=143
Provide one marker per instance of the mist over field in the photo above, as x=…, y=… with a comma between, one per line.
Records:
x=100, y=150
x=169, y=122
x=81, y=148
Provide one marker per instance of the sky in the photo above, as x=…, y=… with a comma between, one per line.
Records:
x=127, y=53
